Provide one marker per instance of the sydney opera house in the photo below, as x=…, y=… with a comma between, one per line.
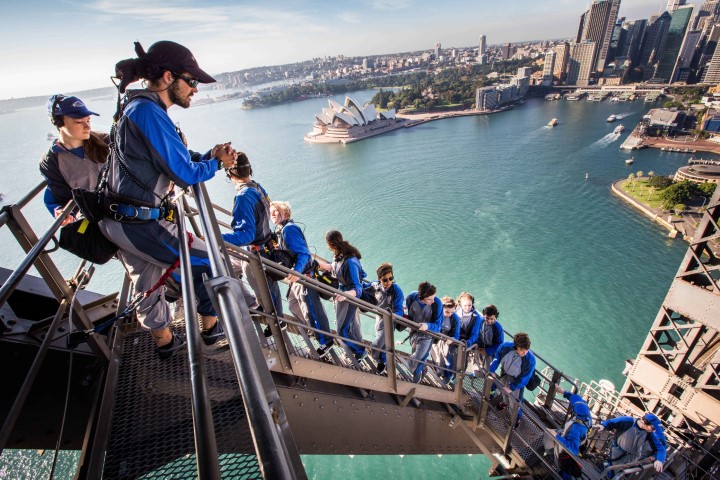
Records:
x=351, y=122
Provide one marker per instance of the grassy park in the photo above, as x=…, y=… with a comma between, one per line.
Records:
x=642, y=191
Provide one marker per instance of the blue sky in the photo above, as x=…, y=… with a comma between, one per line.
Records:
x=70, y=45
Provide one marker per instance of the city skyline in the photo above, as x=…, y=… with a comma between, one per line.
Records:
x=71, y=46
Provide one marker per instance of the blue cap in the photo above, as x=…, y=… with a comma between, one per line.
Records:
x=581, y=410
x=73, y=107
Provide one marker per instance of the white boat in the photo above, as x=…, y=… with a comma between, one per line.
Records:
x=612, y=118
x=553, y=122
x=629, y=161
x=618, y=130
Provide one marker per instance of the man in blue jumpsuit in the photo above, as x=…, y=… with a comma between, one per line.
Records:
x=152, y=159
x=517, y=365
x=386, y=294
x=426, y=309
x=573, y=433
x=636, y=439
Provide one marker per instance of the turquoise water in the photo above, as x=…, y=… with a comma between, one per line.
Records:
x=496, y=205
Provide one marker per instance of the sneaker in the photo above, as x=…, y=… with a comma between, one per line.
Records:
x=166, y=351
x=361, y=356
x=501, y=406
x=268, y=333
x=381, y=367
x=324, y=350
x=214, y=334
x=517, y=422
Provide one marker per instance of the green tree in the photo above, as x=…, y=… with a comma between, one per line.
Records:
x=707, y=189
x=660, y=182
x=639, y=174
x=677, y=193
x=680, y=208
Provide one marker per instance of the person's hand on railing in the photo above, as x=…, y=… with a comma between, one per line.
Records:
x=69, y=219
x=423, y=327
x=658, y=466
x=559, y=389
x=342, y=298
x=599, y=427
x=291, y=278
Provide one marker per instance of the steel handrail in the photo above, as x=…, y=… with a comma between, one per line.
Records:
x=206, y=452
x=276, y=458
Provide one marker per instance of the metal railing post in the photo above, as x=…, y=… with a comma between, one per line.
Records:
x=389, y=332
x=460, y=365
x=205, y=444
x=550, y=397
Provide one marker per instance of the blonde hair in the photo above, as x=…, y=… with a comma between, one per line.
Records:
x=283, y=207
x=465, y=295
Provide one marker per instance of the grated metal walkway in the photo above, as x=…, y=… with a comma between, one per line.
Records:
x=152, y=430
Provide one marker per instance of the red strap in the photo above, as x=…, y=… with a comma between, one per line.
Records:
x=169, y=271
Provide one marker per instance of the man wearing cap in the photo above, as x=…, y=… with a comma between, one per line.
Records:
x=636, y=439
x=76, y=158
x=571, y=436
x=151, y=160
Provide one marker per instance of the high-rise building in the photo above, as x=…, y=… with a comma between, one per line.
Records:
x=596, y=26
x=507, y=51
x=684, y=67
x=667, y=67
x=561, y=60
x=437, y=51
x=653, y=42
x=549, y=68
x=617, y=38
x=673, y=5
x=482, y=59
x=712, y=72
x=708, y=51
x=580, y=63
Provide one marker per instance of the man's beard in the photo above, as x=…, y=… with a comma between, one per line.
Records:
x=175, y=96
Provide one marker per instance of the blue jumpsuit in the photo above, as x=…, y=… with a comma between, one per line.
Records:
x=349, y=273
x=387, y=299
x=421, y=342
x=515, y=374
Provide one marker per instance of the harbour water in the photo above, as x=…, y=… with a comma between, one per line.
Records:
x=497, y=205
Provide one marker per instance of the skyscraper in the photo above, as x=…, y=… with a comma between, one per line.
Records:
x=437, y=51
x=653, y=42
x=673, y=5
x=712, y=73
x=596, y=26
x=580, y=63
x=507, y=51
x=561, y=60
x=482, y=59
x=549, y=68
x=667, y=67
x=630, y=46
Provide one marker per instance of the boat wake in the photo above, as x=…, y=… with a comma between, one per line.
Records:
x=623, y=115
x=605, y=141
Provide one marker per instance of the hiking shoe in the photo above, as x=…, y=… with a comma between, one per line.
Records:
x=268, y=333
x=501, y=406
x=381, y=367
x=213, y=334
x=361, y=356
x=324, y=350
x=166, y=351
x=517, y=422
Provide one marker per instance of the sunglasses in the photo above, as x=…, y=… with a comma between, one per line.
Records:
x=387, y=279
x=192, y=82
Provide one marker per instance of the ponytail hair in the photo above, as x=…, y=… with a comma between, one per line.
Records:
x=131, y=70
x=96, y=148
x=341, y=247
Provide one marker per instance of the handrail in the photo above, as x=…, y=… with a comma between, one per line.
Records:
x=5, y=216
x=17, y=275
x=277, y=459
x=205, y=444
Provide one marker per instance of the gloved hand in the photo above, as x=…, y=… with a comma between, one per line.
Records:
x=658, y=466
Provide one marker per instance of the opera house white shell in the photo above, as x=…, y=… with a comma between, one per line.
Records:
x=351, y=122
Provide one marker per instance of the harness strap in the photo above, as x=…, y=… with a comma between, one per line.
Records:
x=169, y=271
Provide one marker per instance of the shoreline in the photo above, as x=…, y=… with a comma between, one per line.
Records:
x=656, y=215
x=407, y=120
x=636, y=142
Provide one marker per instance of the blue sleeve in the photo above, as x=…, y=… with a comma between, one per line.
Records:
x=526, y=372
x=575, y=435
x=409, y=301
x=398, y=301
x=295, y=241
x=475, y=332
x=455, y=326
x=160, y=132
x=660, y=450
x=504, y=348
x=243, y=219
x=619, y=423
x=435, y=323
x=354, y=270
x=50, y=203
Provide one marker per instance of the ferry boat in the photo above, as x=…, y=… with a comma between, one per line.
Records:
x=553, y=122
x=575, y=96
x=629, y=161
x=612, y=118
x=618, y=130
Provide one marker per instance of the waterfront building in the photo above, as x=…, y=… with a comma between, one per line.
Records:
x=662, y=121
x=487, y=99
x=667, y=67
x=548, y=68
x=580, y=63
x=350, y=122
x=596, y=26
x=482, y=47
x=699, y=173
x=561, y=60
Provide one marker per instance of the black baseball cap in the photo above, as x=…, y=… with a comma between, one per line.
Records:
x=177, y=59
